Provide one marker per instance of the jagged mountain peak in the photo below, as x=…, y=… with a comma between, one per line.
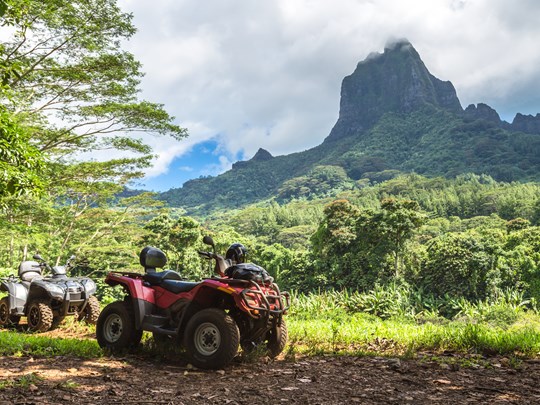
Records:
x=261, y=155
x=526, y=123
x=393, y=81
x=482, y=111
x=400, y=44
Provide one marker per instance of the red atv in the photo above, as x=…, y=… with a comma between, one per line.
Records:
x=242, y=305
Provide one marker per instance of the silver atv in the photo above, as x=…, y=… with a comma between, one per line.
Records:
x=46, y=300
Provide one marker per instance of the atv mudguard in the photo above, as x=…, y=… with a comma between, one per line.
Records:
x=141, y=297
x=18, y=295
x=39, y=290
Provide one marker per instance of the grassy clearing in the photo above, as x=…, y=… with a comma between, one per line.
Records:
x=331, y=323
x=71, y=338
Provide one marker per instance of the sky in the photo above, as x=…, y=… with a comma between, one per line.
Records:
x=247, y=74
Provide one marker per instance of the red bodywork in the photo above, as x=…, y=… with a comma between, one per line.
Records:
x=248, y=296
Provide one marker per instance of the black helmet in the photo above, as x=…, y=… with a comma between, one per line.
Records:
x=236, y=252
x=152, y=258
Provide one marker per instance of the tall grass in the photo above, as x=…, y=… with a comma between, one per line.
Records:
x=394, y=320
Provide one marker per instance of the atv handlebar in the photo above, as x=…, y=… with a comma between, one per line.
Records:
x=208, y=255
x=44, y=264
x=221, y=263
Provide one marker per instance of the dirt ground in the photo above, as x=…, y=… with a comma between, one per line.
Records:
x=447, y=378
x=308, y=380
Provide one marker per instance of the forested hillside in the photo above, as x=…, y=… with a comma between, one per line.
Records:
x=395, y=117
x=470, y=237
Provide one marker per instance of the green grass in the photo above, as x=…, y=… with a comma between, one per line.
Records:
x=13, y=343
x=316, y=327
x=358, y=335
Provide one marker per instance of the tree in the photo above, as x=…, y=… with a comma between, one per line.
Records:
x=396, y=224
x=72, y=84
x=467, y=264
x=337, y=231
x=177, y=238
x=21, y=164
x=335, y=253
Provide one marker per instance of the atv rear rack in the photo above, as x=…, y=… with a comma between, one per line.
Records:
x=274, y=304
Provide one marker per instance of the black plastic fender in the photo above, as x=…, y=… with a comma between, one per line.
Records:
x=38, y=291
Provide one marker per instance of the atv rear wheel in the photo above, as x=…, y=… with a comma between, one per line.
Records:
x=7, y=320
x=115, y=328
x=40, y=317
x=90, y=313
x=211, y=339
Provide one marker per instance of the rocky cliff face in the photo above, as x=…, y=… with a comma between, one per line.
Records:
x=394, y=81
x=482, y=111
x=526, y=123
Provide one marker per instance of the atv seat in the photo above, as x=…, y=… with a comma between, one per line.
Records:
x=169, y=280
x=28, y=270
x=159, y=277
x=176, y=287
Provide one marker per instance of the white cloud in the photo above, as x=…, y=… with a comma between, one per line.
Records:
x=268, y=74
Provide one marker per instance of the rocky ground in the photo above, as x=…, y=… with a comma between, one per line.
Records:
x=308, y=380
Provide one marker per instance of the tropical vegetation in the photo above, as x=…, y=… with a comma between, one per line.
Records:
x=451, y=254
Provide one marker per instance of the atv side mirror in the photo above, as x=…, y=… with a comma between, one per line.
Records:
x=38, y=257
x=207, y=240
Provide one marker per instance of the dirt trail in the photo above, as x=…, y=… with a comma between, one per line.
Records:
x=319, y=380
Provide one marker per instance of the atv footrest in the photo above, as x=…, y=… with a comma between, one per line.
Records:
x=162, y=331
x=154, y=321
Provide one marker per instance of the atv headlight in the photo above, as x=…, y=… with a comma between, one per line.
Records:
x=89, y=286
x=55, y=291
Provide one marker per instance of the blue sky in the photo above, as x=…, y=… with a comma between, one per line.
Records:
x=245, y=74
x=201, y=160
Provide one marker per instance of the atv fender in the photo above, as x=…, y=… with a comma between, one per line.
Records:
x=191, y=309
x=139, y=296
x=40, y=290
x=18, y=295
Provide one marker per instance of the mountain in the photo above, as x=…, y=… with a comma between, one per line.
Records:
x=395, y=81
x=395, y=116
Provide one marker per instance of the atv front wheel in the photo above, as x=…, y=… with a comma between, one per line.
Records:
x=211, y=339
x=271, y=345
x=90, y=313
x=57, y=320
x=40, y=317
x=277, y=339
x=7, y=320
x=115, y=328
